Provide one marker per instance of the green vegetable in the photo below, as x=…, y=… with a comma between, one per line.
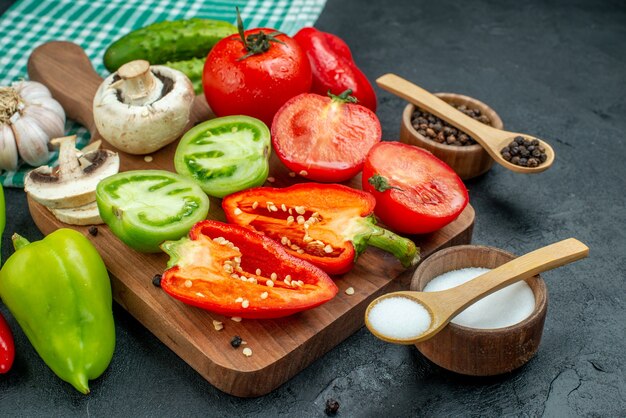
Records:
x=225, y=155
x=168, y=43
x=143, y=208
x=191, y=68
x=2, y=218
x=59, y=292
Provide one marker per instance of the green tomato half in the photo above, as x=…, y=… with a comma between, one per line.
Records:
x=144, y=208
x=225, y=155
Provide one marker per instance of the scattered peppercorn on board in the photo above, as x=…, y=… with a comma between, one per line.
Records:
x=275, y=350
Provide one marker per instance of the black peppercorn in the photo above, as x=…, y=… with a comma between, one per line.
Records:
x=438, y=130
x=524, y=152
x=93, y=230
x=236, y=341
x=332, y=406
x=156, y=280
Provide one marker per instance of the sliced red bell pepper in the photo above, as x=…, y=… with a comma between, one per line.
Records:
x=333, y=67
x=328, y=225
x=233, y=271
x=7, y=348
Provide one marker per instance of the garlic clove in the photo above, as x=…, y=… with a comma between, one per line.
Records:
x=8, y=149
x=50, y=104
x=31, y=90
x=31, y=140
x=50, y=122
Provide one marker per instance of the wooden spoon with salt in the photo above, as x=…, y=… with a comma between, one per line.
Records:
x=491, y=139
x=444, y=305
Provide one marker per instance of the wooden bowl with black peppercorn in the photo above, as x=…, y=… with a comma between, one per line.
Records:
x=467, y=158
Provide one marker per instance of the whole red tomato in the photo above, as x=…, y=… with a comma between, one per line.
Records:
x=255, y=76
x=416, y=193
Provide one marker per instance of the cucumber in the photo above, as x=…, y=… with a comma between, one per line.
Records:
x=168, y=41
x=191, y=68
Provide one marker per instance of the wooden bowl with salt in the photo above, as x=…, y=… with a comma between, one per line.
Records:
x=477, y=351
x=467, y=161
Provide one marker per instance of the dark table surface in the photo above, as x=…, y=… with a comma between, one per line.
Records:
x=557, y=71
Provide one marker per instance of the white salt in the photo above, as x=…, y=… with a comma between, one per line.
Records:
x=399, y=317
x=503, y=308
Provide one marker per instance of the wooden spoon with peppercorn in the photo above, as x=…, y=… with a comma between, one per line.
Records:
x=515, y=151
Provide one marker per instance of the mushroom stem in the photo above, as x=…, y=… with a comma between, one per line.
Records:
x=139, y=86
x=69, y=166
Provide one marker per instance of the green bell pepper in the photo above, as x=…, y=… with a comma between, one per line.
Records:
x=59, y=292
x=225, y=155
x=144, y=208
x=3, y=219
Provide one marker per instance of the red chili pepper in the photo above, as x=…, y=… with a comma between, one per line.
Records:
x=333, y=67
x=7, y=348
x=233, y=271
x=328, y=225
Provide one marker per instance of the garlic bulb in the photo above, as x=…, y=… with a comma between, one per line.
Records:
x=29, y=118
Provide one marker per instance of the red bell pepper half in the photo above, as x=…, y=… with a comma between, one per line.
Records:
x=233, y=271
x=328, y=225
x=333, y=68
x=7, y=348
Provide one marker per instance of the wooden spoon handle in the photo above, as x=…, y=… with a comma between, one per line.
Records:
x=433, y=104
x=528, y=265
x=65, y=69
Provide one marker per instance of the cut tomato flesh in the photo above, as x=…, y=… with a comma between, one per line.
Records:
x=422, y=193
x=327, y=140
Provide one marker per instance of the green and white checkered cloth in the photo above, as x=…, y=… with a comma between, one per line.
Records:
x=95, y=24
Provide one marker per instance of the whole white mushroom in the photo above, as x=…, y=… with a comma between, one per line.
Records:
x=141, y=108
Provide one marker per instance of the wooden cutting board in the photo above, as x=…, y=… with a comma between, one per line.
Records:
x=282, y=347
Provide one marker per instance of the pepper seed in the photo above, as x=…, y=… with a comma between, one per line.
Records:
x=236, y=318
x=258, y=272
x=245, y=304
x=304, y=173
x=238, y=211
x=264, y=295
x=218, y=325
x=188, y=283
x=255, y=204
x=269, y=283
x=350, y=291
x=247, y=351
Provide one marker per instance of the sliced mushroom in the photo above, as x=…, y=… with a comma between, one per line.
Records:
x=82, y=215
x=140, y=109
x=73, y=183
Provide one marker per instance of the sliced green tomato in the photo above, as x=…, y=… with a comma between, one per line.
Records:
x=225, y=155
x=143, y=208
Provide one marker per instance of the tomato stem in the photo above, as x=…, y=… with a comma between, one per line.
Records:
x=256, y=43
x=371, y=234
x=344, y=97
x=380, y=183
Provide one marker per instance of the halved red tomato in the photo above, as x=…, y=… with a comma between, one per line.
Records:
x=322, y=138
x=415, y=192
